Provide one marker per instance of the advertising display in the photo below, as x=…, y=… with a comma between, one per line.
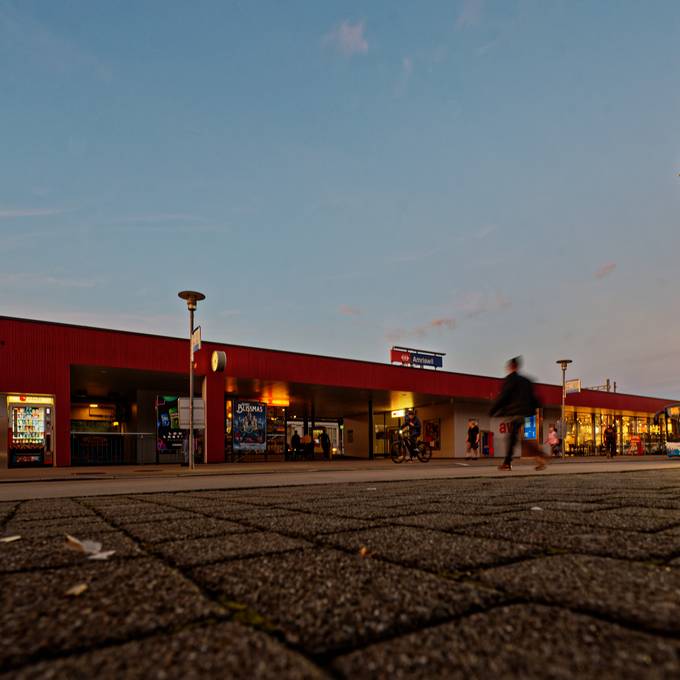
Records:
x=250, y=426
x=169, y=435
x=530, y=427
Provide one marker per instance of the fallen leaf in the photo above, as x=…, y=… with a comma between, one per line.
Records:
x=102, y=555
x=537, y=508
x=372, y=488
x=77, y=590
x=364, y=552
x=9, y=539
x=87, y=547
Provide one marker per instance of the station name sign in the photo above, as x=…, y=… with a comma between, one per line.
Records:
x=415, y=357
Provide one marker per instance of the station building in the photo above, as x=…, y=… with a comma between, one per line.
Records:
x=74, y=395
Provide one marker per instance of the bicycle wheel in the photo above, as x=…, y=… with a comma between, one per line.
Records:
x=424, y=452
x=398, y=452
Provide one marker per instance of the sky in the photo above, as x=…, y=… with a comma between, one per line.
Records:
x=484, y=178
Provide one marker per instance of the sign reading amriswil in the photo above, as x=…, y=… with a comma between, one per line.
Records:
x=416, y=357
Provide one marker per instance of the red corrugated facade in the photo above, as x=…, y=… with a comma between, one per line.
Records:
x=36, y=357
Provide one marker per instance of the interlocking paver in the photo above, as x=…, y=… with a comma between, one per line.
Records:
x=50, y=551
x=226, y=650
x=124, y=599
x=57, y=527
x=637, y=593
x=429, y=549
x=306, y=524
x=204, y=550
x=521, y=641
x=578, y=538
x=324, y=599
x=176, y=529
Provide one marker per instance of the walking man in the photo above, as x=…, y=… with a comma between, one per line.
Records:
x=517, y=400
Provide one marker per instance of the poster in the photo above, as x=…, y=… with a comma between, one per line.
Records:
x=432, y=433
x=250, y=426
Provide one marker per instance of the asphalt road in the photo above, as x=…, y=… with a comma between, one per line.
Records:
x=525, y=575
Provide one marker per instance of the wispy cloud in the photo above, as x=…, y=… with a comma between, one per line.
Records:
x=348, y=310
x=348, y=38
x=605, y=270
x=422, y=331
x=470, y=13
x=41, y=44
x=152, y=218
x=475, y=303
x=26, y=279
x=29, y=212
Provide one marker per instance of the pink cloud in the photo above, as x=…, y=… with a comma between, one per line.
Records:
x=348, y=310
x=605, y=270
x=348, y=38
x=470, y=13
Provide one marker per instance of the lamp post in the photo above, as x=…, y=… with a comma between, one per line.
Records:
x=192, y=297
x=563, y=363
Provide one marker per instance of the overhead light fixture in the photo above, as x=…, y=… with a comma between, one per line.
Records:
x=94, y=405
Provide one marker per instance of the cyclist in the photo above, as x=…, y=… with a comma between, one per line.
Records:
x=412, y=423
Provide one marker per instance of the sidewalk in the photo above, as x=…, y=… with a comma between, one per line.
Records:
x=60, y=474
x=531, y=576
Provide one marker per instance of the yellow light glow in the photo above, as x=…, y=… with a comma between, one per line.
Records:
x=116, y=423
x=94, y=405
x=28, y=399
x=280, y=402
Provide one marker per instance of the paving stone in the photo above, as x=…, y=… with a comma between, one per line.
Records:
x=204, y=550
x=637, y=593
x=440, y=521
x=236, y=514
x=627, y=519
x=123, y=600
x=175, y=529
x=431, y=550
x=51, y=509
x=169, y=515
x=57, y=527
x=578, y=538
x=326, y=600
x=45, y=552
x=223, y=650
x=518, y=642
x=305, y=524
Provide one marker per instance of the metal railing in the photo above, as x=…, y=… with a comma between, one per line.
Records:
x=113, y=448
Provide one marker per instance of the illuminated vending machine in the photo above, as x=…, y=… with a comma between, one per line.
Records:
x=30, y=432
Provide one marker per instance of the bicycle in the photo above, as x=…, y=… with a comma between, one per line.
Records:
x=403, y=446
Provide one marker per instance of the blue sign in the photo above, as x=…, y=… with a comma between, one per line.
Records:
x=421, y=359
x=530, y=427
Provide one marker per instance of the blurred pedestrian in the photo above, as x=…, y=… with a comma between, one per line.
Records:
x=472, y=441
x=554, y=440
x=517, y=400
x=610, y=440
x=325, y=441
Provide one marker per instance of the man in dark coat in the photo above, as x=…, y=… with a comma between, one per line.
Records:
x=517, y=400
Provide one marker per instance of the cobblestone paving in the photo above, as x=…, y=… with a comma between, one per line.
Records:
x=526, y=576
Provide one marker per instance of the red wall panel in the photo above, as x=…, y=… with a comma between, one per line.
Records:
x=36, y=357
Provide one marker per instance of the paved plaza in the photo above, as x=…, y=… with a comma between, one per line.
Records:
x=531, y=576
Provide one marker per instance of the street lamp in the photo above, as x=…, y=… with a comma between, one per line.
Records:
x=563, y=363
x=191, y=297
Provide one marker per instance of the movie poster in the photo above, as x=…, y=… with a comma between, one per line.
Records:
x=250, y=426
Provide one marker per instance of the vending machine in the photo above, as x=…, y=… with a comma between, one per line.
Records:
x=30, y=434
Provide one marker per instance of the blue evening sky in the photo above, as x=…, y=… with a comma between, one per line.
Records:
x=482, y=178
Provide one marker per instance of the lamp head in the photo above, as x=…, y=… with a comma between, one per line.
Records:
x=191, y=297
x=563, y=363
